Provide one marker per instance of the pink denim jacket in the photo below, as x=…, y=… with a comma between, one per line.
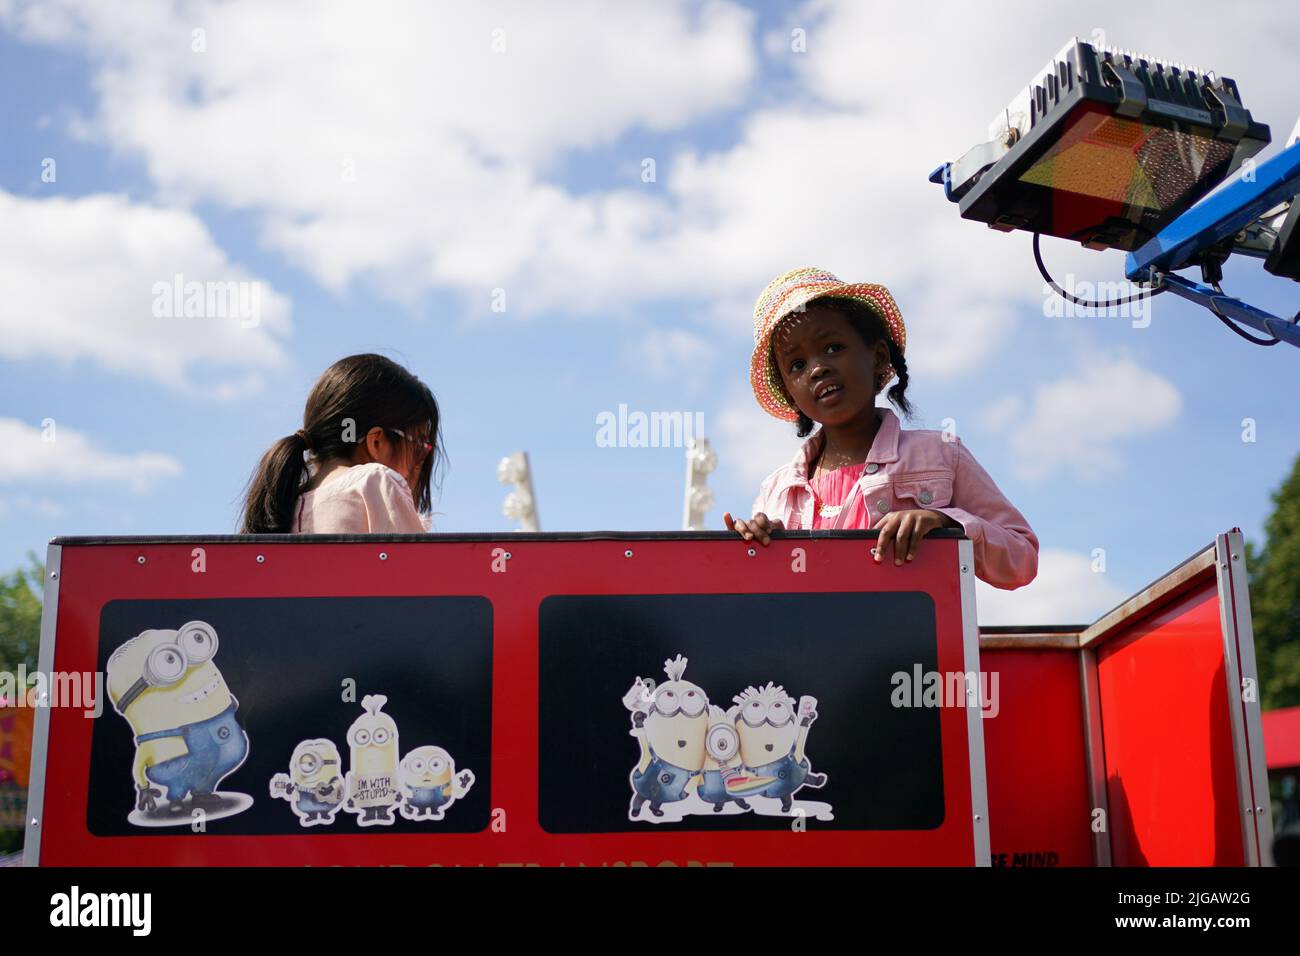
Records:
x=359, y=499
x=911, y=469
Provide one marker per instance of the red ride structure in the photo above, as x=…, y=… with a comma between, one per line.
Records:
x=614, y=699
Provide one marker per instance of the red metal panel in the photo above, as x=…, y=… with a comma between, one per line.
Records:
x=1282, y=738
x=1039, y=813
x=93, y=576
x=1168, y=741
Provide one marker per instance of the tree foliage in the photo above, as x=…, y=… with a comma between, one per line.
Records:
x=20, y=616
x=1274, y=574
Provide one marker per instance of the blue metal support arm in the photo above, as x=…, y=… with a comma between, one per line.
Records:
x=1243, y=312
x=1217, y=216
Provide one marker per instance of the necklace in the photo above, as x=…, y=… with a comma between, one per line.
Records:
x=827, y=462
x=831, y=459
x=823, y=468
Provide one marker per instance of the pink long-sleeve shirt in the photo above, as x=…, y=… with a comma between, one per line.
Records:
x=360, y=499
x=914, y=469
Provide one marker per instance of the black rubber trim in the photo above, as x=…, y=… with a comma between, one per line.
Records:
x=82, y=540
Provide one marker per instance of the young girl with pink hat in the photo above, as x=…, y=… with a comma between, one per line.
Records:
x=823, y=350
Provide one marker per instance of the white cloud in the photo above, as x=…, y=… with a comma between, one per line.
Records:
x=459, y=152
x=1066, y=591
x=24, y=505
x=79, y=276
x=751, y=444
x=1003, y=413
x=447, y=143
x=1079, y=424
x=963, y=63
x=493, y=81
x=816, y=187
x=456, y=153
x=670, y=353
x=57, y=454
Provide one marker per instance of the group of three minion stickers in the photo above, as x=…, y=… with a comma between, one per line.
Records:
x=698, y=758
x=419, y=786
x=187, y=740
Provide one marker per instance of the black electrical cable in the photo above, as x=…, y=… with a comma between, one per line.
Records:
x=1109, y=303
x=1234, y=326
x=1146, y=293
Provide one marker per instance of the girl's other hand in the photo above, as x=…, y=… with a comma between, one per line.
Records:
x=760, y=526
x=905, y=529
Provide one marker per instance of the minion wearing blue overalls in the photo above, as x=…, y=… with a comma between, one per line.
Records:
x=430, y=783
x=670, y=722
x=215, y=747
x=314, y=784
x=772, y=741
x=187, y=737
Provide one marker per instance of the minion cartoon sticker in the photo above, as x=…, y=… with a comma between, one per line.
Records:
x=430, y=783
x=187, y=739
x=697, y=758
x=725, y=779
x=372, y=765
x=314, y=784
x=772, y=740
x=670, y=722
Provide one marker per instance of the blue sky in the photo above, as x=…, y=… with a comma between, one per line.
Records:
x=520, y=169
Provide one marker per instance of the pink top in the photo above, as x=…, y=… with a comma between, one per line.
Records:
x=913, y=469
x=360, y=499
x=831, y=491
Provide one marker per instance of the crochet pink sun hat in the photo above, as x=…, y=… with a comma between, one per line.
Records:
x=791, y=292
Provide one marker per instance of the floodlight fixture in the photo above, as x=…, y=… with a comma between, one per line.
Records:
x=1106, y=148
x=1117, y=150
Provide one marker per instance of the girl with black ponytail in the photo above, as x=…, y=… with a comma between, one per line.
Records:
x=823, y=351
x=361, y=462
